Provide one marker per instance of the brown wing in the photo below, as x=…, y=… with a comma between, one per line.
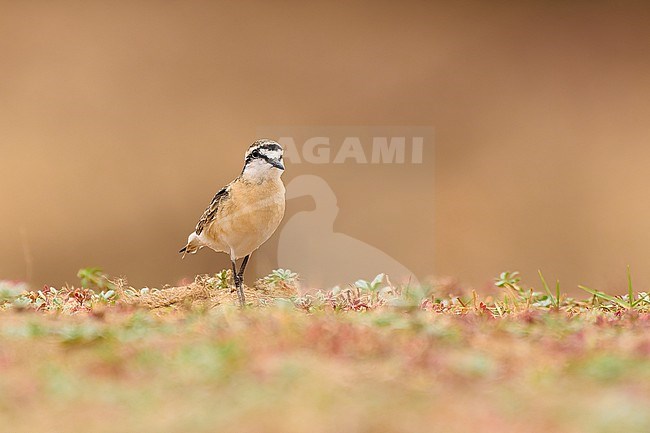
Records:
x=211, y=212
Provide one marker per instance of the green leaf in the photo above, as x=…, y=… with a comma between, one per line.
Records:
x=554, y=301
x=376, y=282
x=362, y=284
x=605, y=296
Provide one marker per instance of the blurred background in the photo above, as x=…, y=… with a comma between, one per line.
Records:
x=120, y=120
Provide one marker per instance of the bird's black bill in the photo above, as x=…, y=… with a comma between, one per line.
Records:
x=277, y=164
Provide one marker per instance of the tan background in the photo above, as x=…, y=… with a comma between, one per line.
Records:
x=119, y=120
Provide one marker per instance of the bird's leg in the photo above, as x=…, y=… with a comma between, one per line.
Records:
x=243, y=267
x=235, y=276
x=240, y=277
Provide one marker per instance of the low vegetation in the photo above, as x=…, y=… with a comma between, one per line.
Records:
x=370, y=357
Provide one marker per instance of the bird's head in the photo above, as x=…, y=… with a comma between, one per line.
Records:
x=263, y=159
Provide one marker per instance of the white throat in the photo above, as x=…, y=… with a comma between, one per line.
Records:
x=258, y=170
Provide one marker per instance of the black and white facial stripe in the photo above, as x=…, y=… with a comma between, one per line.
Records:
x=266, y=150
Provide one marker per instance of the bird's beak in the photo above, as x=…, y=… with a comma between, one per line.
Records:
x=277, y=164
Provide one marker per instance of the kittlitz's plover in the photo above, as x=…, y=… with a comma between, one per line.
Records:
x=245, y=213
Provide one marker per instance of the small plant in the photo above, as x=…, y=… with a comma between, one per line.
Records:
x=371, y=286
x=602, y=295
x=10, y=291
x=141, y=292
x=106, y=295
x=630, y=290
x=362, y=296
x=508, y=280
x=520, y=295
x=281, y=276
x=627, y=301
x=80, y=333
x=554, y=300
x=223, y=279
x=94, y=278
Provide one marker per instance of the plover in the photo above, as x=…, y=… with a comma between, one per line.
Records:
x=245, y=213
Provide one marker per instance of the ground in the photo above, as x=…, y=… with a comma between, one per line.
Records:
x=368, y=358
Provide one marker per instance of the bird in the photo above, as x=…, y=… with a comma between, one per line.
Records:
x=245, y=213
x=308, y=243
